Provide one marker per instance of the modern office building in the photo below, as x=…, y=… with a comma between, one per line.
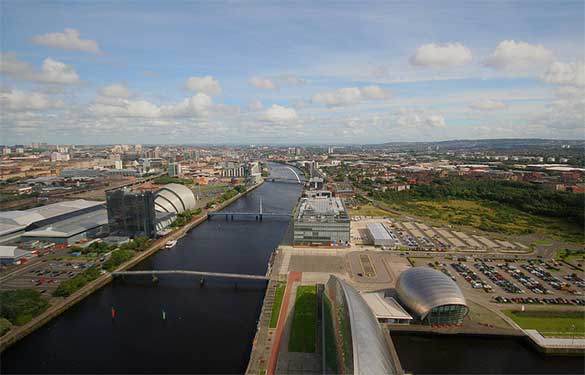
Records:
x=321, y=222
x=353, y=340
x=174, y=170
x=174, y=198
x=431, y=296
x=131, y=213
x=379, y=235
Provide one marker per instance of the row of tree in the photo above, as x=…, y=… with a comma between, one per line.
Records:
x=530, y=198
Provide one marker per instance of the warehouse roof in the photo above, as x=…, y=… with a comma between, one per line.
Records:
x=71, y=226
x=378, y=231
x=13, y=221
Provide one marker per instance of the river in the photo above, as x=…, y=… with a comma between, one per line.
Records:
x=426, y=354
x=207, y=329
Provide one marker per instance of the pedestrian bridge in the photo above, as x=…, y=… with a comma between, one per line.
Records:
x=258, y=215
x=153, y=273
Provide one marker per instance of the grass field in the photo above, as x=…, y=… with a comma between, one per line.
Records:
x=277, y=303
x=368, y=210
x=492, y=217
x=550, y=323
x=303, y=330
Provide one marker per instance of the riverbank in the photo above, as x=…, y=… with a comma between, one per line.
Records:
x=62, y=305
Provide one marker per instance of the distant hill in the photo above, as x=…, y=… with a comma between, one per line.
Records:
x=471, y=144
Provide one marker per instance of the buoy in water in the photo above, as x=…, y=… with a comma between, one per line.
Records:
x=113, y=313
x=164, y=315
x=202, y=281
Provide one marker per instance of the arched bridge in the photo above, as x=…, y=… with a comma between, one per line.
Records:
x=298, y=178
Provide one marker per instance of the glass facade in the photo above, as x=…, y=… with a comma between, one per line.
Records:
x=446, y=314
x=131, y=213
x=321, y=221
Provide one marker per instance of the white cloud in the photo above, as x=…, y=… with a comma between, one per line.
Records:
x=255, y=105
x=375, y=93
x=487, y=105
x=414, y=118
x=115, y=90
x=110, y=107
x=67, y=40
x=437, y=56
x=518, y=56
x=17, y=100
x=198, y=105
x=278, y=113
x=207, y=85
x=52, y=71
x=571, y=74
x=351, y=96
x=262, y=83
x=291, y=80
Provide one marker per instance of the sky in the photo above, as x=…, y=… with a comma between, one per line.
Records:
x=284, y=72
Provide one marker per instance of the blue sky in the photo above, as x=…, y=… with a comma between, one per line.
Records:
x=290, y=72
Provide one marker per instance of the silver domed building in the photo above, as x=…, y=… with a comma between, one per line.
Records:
x=432, y=296
x=174, y=198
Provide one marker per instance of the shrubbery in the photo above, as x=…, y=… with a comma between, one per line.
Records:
x=5, y=326
x=139, y=243
x=116, y=258
x=184, y=217
x=68, y=287
x=21, y=305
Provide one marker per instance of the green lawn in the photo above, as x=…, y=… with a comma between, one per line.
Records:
x=277, y=303
x=550, y=323
x=302, y=336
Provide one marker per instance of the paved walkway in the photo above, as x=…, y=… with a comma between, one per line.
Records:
x=286, y=300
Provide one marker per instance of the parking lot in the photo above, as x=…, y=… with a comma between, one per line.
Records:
x=46, y=275
x=509, y=280
x=418, y=236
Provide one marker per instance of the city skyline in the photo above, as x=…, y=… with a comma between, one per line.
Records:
x=234, y=73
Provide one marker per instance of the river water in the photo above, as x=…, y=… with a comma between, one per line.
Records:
x=425, y=354
x=207, y=329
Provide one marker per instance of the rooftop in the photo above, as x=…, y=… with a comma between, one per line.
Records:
x=321, y=208
x=385, y=307
x=71, y=226
x=13, y=221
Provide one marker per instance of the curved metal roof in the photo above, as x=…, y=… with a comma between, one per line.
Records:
x=174, y=198
x=370, y=351
x=423, y=288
